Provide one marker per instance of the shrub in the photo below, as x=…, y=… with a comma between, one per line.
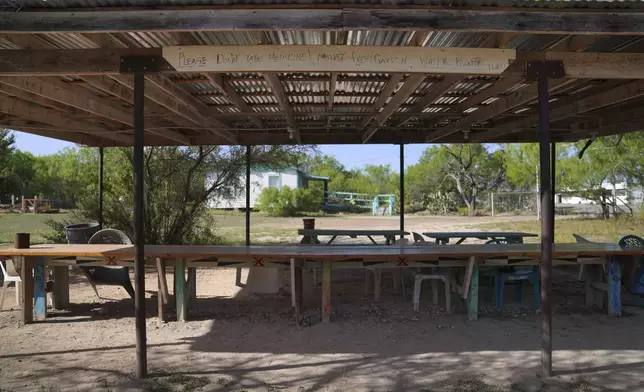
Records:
x=441, y=203
x=287, y=201
x=463, y=211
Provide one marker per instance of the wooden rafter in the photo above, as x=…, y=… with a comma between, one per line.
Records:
x=222, y=83
x=613, y=96
x=275, y=85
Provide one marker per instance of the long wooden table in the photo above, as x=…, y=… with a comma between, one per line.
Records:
x=470, y=257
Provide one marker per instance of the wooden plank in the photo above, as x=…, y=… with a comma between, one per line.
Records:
x=384, y=95
x=60, y=293
x=180, y=290
x=40, y=289
x=473, y=18
x=67, y=61
x=326, y=291
x=276, y=87
x=26, y=275
x=334, y=58
x=614, y=287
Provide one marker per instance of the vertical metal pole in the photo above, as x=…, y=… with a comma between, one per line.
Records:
x=139, y=240
x=402, y=187
x=553, y=160
x=248, y=149
x=546, y=229
x=100, y=187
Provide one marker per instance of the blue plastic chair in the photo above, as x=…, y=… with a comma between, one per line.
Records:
x=518, y=275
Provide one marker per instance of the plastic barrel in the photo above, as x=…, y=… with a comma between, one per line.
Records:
x=81, y=233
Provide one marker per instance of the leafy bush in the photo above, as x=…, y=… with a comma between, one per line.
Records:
x=288, y=202
x=463, y=211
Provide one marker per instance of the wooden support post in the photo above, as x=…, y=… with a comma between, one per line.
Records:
x=492, y=203
x=542, y=71
x=100, y=188
x=402, y=188
x=40, y=289
x=139, y=239
x=326, y=291
x=614, y=287
x=22, y=241
x=61, y=287
x=180, y=289
x=23, y=205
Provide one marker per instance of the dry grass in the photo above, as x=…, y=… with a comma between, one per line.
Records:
x=598, y=230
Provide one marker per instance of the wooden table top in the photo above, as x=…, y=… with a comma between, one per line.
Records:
x=320, y=252
x=351, y=232
x=477, y=234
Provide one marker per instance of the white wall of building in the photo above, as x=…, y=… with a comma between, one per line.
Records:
x=258, y=181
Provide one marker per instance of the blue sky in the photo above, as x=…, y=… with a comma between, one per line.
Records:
x=352, y=156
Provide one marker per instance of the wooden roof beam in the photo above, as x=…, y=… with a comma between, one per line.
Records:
x=223, y=84
x=275, y=85
x=331, y=97
x=473, y=18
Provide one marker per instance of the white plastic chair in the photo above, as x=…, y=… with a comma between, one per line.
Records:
x=10, y=275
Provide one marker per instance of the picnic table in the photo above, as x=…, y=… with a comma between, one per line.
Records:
x=312, y=234
x=470, y=257
x=444, y=237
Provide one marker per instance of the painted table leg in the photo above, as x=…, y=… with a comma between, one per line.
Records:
x=40, y=289
x=326, y=291
x=192, y=285
x=614, y=288
x=377, y=283
x=238, y=277
x=180, y=289
x=26, y=274
x=162, y=295
x=61, y=288
x=473, y=295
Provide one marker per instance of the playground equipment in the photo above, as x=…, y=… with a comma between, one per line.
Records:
x=349, y=201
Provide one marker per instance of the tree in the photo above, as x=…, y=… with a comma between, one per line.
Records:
x=178, y=182
x=7, y=142
x=473, y=169
x=426, y=179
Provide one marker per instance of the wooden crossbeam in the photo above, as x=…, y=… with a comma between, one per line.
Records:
x=224, y=85
x=275, y=85
x=613, y=96
x=474, y=18
x=331, y=96
x=105, y=61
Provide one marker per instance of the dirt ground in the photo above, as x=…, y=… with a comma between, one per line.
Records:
x=238, y=341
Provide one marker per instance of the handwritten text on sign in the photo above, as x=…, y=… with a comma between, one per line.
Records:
x=269, y=58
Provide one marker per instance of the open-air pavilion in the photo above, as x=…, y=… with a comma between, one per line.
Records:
x=134, y=73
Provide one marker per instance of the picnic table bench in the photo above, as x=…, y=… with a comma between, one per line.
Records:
x=442, y=238
x=470, y=257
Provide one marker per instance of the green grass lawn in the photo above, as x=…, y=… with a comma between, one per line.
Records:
x=598, y=230
x=11, y=223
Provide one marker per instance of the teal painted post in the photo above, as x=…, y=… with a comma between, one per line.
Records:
x=614, y=287
x=473, y=295
x=180, y=289
x=40, y=292
x=326, y=291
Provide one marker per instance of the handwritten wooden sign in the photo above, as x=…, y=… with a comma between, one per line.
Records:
x=323, y=58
